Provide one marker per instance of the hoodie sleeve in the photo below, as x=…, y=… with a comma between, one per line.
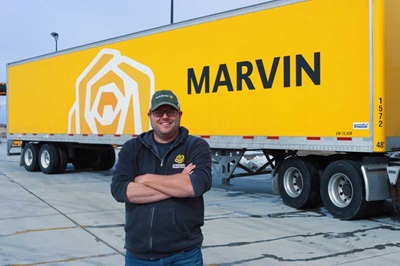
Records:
x=124, y=172
x=200, y=155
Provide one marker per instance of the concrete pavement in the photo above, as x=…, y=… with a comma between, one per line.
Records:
x=71, y=219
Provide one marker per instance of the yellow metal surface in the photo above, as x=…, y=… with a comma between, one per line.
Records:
x=392, y=66
x=379, y=99
x=255, y=66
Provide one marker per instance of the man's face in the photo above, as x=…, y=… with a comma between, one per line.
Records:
x=165, y=127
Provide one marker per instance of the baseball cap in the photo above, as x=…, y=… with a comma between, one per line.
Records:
x=164, y=97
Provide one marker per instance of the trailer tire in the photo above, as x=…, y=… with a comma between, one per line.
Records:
x=298, y=183
x=30, y=157
x=104, y=160
x=63, y=159
x=49, y=159
x=342, y=190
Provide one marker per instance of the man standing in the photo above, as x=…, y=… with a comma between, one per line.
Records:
x=161, y=177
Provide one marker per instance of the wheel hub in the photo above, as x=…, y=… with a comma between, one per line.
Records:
x=28, y=157
x=340, y=190
x=293, y=182
x=45, y=159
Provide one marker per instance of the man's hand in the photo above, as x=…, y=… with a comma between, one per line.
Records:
x=150, y=188
x=139, y=193
x=188, y=169
x=177, y=185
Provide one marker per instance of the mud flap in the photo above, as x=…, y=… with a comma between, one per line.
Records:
x=376, y=179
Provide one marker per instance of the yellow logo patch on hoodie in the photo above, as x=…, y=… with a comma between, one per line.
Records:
x=179, y=159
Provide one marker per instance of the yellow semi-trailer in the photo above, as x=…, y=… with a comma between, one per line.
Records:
x=313, y=84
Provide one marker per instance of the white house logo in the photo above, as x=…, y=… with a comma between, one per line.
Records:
x=109, y=93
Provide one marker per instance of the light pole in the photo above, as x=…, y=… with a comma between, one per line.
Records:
x=55, y=36
x=172, y=11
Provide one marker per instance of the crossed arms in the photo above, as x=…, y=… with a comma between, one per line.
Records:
x=150, y=188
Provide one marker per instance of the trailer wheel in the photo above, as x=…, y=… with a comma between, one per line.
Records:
x=30, y=157
x=49, y=159
x=104, y=160
x=63, y=159
x=298, y=183
x=342, y=190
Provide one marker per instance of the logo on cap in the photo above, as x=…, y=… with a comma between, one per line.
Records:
x=164, y=97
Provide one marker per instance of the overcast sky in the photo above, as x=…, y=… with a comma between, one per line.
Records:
x=25, y=25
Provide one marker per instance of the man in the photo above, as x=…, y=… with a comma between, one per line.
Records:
x=161, y=176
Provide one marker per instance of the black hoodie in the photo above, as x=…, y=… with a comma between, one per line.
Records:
x=163, y=228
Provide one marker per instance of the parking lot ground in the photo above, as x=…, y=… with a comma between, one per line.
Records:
x=71, y=219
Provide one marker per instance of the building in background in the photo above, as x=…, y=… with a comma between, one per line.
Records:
x=3, y=91
x=3, y=111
